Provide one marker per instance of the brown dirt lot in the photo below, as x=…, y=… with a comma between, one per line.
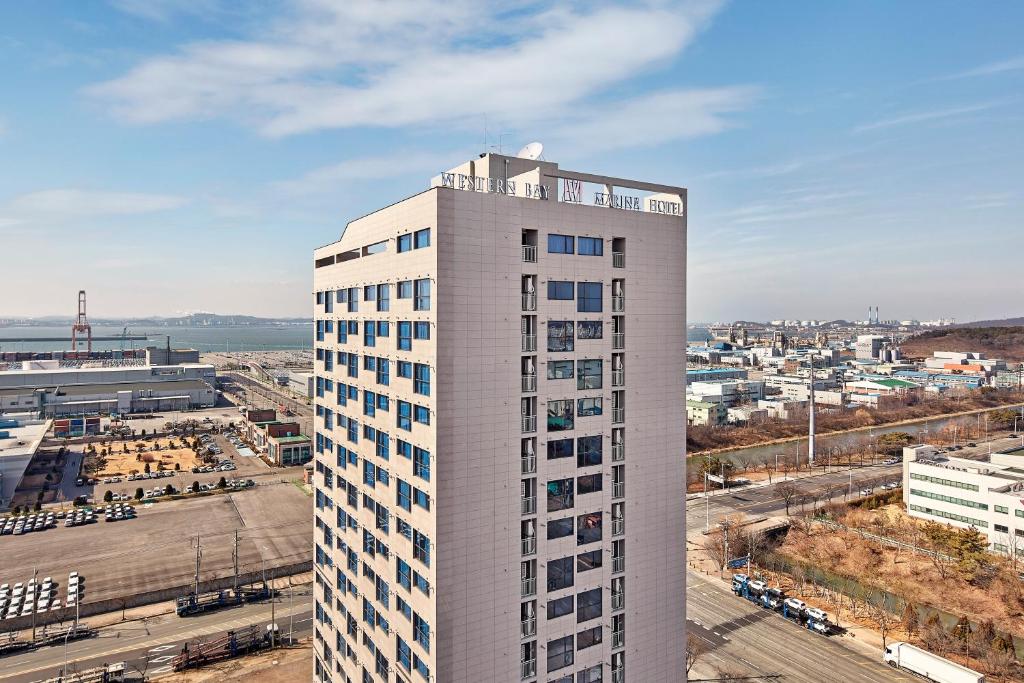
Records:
x=281, y=666
x=119, y=463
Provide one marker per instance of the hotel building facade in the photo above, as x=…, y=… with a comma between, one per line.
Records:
x=500, y=433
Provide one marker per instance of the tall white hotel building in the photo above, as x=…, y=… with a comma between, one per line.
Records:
x=500, y=432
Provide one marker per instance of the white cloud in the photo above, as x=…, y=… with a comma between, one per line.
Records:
x=1013, y=64
x=353, y=63
x=919, y=117
x=327, y=179
x=66, y=204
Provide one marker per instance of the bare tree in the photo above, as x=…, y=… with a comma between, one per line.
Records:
x=714, y=545
x=695, y=649
x=787, y=491
x=884, y=618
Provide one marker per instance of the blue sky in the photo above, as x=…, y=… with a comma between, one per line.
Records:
x=188, y=155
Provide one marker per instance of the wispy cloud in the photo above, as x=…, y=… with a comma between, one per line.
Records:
x=330, y=65
x=991, y=69
x=327, y=179
x=60, y=205
x=921, y=116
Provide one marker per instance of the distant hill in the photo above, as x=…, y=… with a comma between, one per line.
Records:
x=995, y=342
x=1005, y=322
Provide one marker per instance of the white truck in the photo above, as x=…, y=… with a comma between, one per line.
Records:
x=930, y=666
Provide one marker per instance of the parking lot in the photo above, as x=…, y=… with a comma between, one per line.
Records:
x=244, y=468
x=157, y=549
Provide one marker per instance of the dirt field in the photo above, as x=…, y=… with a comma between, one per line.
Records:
x=281, y=666
x=157, y=453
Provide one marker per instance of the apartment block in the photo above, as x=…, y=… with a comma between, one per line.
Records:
x=499, y=392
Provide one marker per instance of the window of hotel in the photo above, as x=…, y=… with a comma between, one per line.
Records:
x=588, y=451
x=561, y=606
x=421, y=631
x=404, y=654
x=588, y=638
x=559, y=290
x=384, y=297
x=405, y=415
x=421, y=463
x=422, y=300
x=590, y=483
x=587, y=561
x=588, y=528
x=589, y=300
x=560, y=495
x=559, y=448
x=421, y=384
x=353, y=300
x=560, y=244
x=560, y=528
x=420, y=547
x=589, y=329
x=560, y=573
x=404, y=335
x=560, y=415
x=404, y=243
x=405, y=369
x=1001, y=509
x=594, y=674
x=422, y=238
x=369, y=334
x=588, y=605
x=422, y=415
x=404, y=496
x=560, y=335
x=370, y=293
x=405, y=289
x=588, y=374
x=421, y=330
x=591, y=246
x=560, y=653
x=589, y=406
x=560, y=369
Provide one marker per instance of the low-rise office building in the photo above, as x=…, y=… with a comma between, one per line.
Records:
x=705, y=413
x=728, y=392
x=988, y=496
x=711, y=374
x=289, y=450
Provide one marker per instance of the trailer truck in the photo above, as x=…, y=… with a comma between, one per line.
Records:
x=930, y=666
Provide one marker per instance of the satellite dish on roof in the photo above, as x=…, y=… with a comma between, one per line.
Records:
x=531, y=151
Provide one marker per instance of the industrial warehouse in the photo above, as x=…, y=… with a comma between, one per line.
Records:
x=46, y=389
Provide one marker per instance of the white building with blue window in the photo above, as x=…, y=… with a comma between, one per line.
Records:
x=500, y=365
x=985, y=494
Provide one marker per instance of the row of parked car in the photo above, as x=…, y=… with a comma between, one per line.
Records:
x=27, y=523
x=149, y=475
x=775, y=599
x=222, y=466
x=25, y=598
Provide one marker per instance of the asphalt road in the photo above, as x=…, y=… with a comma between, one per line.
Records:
x=151, y=645
x=764, y=500
x=744, y=639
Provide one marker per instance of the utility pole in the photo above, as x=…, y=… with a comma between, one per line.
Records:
x=199, y=554
x=810, y=420
x=235, y=557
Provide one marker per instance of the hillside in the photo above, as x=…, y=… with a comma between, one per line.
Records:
x=995, y=342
